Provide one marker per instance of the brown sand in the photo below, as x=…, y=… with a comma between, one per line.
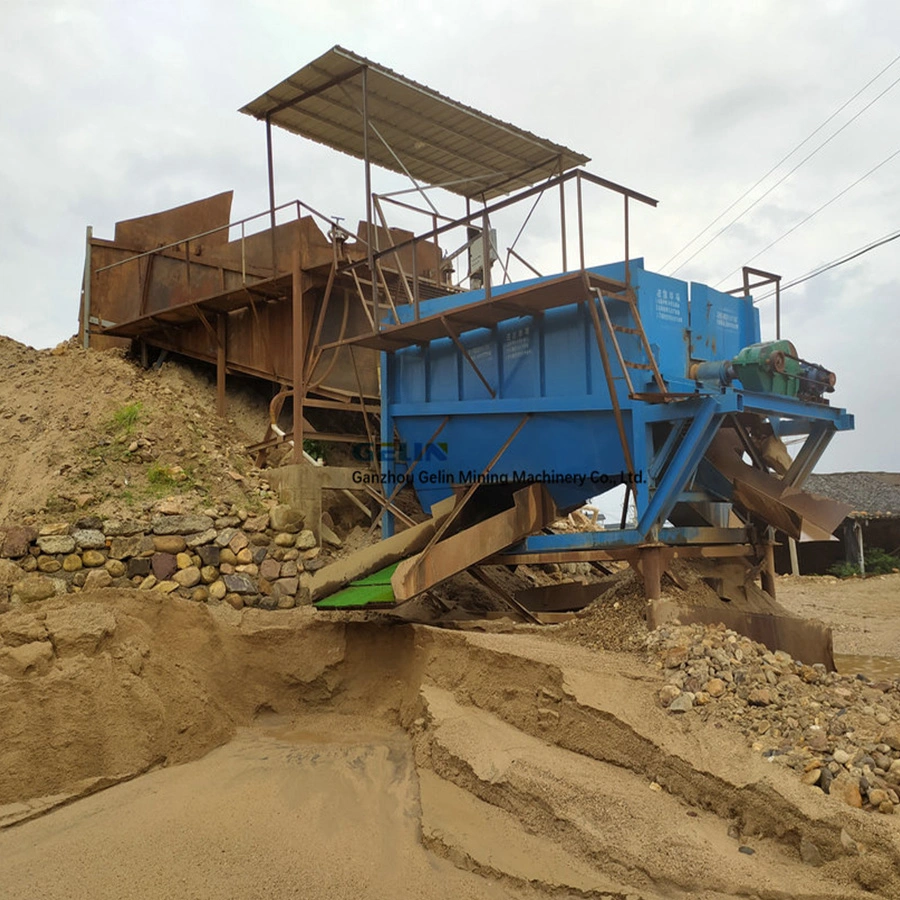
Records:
x=332, y=812
x=345, y=750
x=61, y=446
x=863, y=612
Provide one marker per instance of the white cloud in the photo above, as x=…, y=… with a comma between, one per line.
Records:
x=113, y=110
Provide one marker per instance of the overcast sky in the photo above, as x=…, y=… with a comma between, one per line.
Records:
x=117, y=109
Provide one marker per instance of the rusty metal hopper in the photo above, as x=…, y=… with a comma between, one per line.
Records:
x=799, y=514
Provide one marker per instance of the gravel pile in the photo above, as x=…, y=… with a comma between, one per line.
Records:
x=864, y=492
x=840, y=733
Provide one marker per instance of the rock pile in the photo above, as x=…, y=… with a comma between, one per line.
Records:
x=841, y=733
x=211, y=556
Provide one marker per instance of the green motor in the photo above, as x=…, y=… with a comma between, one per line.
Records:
x=769, y=368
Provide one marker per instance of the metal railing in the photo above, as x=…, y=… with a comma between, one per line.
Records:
x=480, y=221
x=297, y=205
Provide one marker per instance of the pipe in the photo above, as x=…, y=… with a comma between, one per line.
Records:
x=718, y=373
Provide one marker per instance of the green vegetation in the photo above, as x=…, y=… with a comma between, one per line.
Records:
x=314, y=449
x=163, y=479
x=126, y=417
x=878, y=562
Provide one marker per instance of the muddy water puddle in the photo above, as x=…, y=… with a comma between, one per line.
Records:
x=878, y=668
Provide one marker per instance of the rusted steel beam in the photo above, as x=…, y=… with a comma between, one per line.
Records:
x=714, y=551
x=299, y=342
x=314, y=92
x=221, y=325
x=440, y=561
x=478, y=573
x=471, y=490
x=613, y=396
x=416, y=461
x=462, y=349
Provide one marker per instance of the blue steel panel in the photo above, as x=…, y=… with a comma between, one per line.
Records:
x=520, y=357
x=549, y=366
x=721, y=325
x=571, y=339
x=481, y=345
x=583, y=446
x=663, y=305
x=408, y=376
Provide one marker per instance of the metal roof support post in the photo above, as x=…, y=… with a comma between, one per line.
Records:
x=86, y=297
x=580, y=219
x=298, y=340
x=367, y=162
x=271, y=168
x=627, y=248
x=778, y=311
x=486, y=256
x=562, y=214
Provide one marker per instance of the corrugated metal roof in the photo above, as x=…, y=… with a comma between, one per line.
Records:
x=438, y=140
x=870, y=494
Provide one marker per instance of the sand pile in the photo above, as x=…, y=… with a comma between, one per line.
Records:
x=94, y=432
x=100, y=688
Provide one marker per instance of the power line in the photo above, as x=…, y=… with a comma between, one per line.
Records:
x=815, y=212
x=784, y=159
x=840, y=261
x=785, y=177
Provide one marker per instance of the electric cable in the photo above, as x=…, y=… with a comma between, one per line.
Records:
x=835, y=263
x=784, y=178
x=815, y=212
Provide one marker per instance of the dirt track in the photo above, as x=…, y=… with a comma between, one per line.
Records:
x=864, y=612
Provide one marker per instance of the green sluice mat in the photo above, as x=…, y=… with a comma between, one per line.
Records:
x=373, y=590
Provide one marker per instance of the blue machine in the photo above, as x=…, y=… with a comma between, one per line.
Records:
x=567, y=394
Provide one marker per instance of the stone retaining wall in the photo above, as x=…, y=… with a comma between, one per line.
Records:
x=244, y=560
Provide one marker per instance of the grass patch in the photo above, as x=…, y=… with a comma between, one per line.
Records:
x=126, y=417
x=163, y=479
x=314, y=449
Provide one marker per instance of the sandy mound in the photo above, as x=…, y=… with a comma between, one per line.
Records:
x=116, y=682
x=93, y=430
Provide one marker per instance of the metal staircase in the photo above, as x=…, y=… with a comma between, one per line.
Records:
x=637, y=329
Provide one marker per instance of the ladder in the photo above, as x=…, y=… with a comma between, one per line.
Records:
x=637, y=329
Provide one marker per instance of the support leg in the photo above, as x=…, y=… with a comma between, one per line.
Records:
x=767, y=574
x=651, y=567
x=220, y=364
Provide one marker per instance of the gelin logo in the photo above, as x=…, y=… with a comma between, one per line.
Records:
x=401, y=452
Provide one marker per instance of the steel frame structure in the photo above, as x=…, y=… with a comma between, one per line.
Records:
x=391, y=297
